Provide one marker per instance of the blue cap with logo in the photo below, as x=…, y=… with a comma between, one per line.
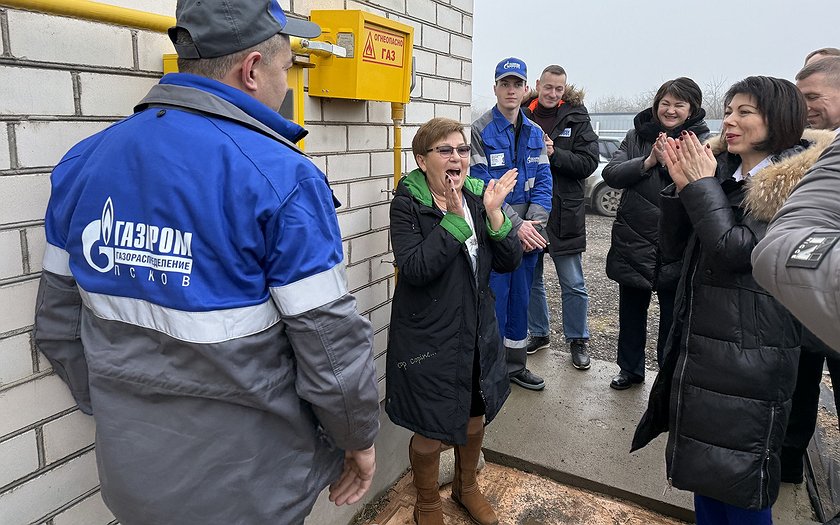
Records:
x=511, y=67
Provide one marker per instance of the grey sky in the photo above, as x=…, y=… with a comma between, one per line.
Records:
x=614, y=47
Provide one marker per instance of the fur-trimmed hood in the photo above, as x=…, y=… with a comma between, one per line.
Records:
x=573, y=96
x=768, y=189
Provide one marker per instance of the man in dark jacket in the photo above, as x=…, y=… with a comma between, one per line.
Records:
x=194, y=296
x=573, y=153
x=819, y=82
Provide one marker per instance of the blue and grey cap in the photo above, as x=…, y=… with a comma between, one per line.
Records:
x=511, y=67
x=222, y=27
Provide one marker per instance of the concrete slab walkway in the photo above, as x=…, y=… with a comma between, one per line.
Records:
x=578, y=431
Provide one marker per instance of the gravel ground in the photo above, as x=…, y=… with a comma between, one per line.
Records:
x=603, y=298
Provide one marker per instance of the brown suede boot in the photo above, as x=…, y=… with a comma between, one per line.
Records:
x=464, y=486
x=428, y=509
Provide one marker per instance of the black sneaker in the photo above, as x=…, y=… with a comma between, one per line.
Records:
x=580, y=358
x=526, y=379
x=536, y=344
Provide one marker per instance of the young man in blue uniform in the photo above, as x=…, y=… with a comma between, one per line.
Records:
x=193, y=296
x=503, y=139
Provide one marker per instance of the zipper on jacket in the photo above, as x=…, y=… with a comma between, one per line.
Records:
x=765, y=461
x=685, y=360
x=668, y=487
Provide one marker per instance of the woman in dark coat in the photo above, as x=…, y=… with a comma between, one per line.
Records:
x=633, y=260
x=723, y=392
x=446, y=370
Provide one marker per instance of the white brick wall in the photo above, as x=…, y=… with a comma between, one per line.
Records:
x=28, y=91
x=64, y=79
x=112, y=94
x=17, y=309
x=29, y=193
x=5, y=159
x=40, y=37
x=19, y=457
x=15, y=360
x=91, y=511
x=150, y=49
x=49, y=491
x=36, y=240
x=12, y=265
x=67, y=434
x=44, y=143
x=351, y=166
x=434, y=38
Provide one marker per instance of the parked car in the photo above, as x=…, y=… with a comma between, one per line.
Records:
x=599, y=196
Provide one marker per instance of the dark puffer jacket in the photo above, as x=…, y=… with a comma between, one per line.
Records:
x=729, y=371
x=575, y=158
x=633, y=259
x=442, y=313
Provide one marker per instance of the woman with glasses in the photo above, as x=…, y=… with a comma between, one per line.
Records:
x=446, y=371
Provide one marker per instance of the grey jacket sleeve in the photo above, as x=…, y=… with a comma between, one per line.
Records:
x=811, y=294
x=58, y=314
x=335, y=372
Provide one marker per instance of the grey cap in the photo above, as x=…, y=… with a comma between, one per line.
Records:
x=222, y=27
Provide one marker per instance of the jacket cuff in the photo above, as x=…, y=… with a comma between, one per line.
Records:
x=502, y=232
x=457, y=226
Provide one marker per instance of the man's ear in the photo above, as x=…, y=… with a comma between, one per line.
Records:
x=248, y=73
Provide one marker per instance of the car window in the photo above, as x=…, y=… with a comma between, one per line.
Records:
x=607, y=147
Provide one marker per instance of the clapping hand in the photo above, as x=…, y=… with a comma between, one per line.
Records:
x=688, y=160
x=494, y=197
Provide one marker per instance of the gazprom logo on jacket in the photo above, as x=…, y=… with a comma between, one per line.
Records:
x=108, y=242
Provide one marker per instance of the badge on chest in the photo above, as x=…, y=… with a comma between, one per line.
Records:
x=497, y=160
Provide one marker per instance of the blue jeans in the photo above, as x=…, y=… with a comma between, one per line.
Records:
x=574, y=296
x=713, y=512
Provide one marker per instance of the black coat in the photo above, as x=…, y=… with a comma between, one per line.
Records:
x=442, y=314
x=575, y=158
x=729, y=370
x=633, y=259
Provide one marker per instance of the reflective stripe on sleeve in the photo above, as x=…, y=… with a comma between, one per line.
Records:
x=193, y=327
x=477, y=160
x=529, y=183
x=544, y=159
x=57, y=261
x=311, y=292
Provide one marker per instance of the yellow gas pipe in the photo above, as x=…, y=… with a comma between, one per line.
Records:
x=95, y=11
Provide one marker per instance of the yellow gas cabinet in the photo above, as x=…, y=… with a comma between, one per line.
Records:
x=378, y=61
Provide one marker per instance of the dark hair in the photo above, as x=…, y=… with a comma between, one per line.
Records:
x=553, y=69
x=828, y=66
x=682, y=88
x=827, y=51
x=782, y=106
x=432, y=131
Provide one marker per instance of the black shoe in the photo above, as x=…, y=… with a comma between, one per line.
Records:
x=580, y=359
x=536, y=343
x=623, y=381
x=526, y=379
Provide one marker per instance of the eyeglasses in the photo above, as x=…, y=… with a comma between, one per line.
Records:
x=446, y=151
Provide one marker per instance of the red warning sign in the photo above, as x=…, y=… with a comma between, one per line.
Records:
x=383, y=47
x=369, y=50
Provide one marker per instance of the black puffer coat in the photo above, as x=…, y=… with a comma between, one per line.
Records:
x=633, y=259
x=729, y=371
x=442, y=314
x=575, y=158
